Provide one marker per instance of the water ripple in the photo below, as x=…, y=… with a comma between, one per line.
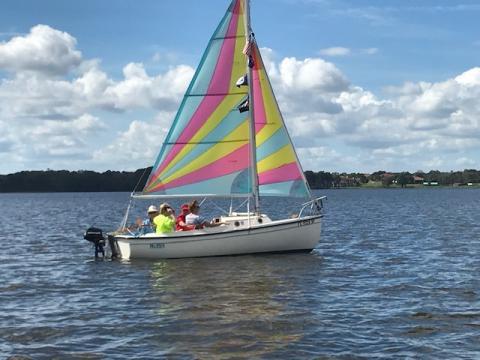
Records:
x=395, y=276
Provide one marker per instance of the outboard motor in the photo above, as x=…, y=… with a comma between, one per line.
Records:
x=95, y=236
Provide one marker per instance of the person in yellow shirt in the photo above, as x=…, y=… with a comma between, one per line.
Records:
x=165, y=221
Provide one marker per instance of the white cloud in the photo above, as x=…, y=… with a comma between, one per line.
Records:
x=417, y=122
x=49, y=140
x=338, y=126
x=319, y=157
x=343, y=51
x=464, y=161
x=469, y=78
x=137, y=146
x=49, y=112
x=268, y=57
x=165, y=56
x=311, y=75
x=335, y=51
x=44, y=50
x=82, y=118
x=369, y=51
x=138, y=89
x=84, y=124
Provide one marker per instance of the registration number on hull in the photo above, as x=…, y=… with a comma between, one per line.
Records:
x=157, y=246
x=306, y=222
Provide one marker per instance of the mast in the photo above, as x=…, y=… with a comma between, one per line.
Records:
x=253, y=143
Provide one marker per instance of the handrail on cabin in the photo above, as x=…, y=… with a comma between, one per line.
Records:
x=316, y=206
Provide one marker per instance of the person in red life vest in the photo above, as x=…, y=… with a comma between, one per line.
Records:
x=181, y=224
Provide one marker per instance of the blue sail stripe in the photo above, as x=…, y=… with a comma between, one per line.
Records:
x=202, y=82
x=219, y=186
x=278, y=140
x=229, y=124
x=293, y=188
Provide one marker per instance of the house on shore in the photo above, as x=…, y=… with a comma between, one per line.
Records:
x=418, y=179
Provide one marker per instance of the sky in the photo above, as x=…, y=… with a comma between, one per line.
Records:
x=364, y=85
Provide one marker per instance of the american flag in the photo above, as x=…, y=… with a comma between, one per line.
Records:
x=247, y=49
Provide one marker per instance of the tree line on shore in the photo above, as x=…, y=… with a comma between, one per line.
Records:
x=91, y=181
x=73, y=181
x=325, y=180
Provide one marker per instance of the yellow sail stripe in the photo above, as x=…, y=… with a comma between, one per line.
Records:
x=271, y=111
x=281, y=157
x=214, y=153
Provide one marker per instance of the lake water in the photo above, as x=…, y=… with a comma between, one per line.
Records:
x=396, y=275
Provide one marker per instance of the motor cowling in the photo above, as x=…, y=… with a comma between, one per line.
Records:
x=95, y=236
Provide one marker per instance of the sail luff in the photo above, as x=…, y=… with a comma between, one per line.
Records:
x=253, y=144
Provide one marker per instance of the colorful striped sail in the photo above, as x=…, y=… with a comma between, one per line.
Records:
x=278, y=168
x=207, y=150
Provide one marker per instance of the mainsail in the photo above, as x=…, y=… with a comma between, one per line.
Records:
x=208, y=148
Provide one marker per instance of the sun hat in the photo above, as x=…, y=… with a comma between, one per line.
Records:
x=163, y=206
x=152, y=209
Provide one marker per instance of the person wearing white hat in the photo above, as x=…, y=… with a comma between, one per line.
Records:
x=148, y=226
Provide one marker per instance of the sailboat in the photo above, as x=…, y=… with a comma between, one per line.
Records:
x=228, y=139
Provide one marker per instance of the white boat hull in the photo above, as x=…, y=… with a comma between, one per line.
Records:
x=276, y=236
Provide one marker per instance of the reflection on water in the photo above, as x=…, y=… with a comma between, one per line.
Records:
x=250, y=308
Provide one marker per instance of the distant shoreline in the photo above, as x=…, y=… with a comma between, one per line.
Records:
x=51, y=181
x=317, y=189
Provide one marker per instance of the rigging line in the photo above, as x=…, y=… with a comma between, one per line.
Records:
x=218, y=207
x=139, y=180
x=218, y=94
x=203, y=142
x=239, y=206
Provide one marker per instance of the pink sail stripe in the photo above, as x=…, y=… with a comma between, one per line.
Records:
x=233, y=162
x=219, y=83
x=288, y=172
x=221, y=79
